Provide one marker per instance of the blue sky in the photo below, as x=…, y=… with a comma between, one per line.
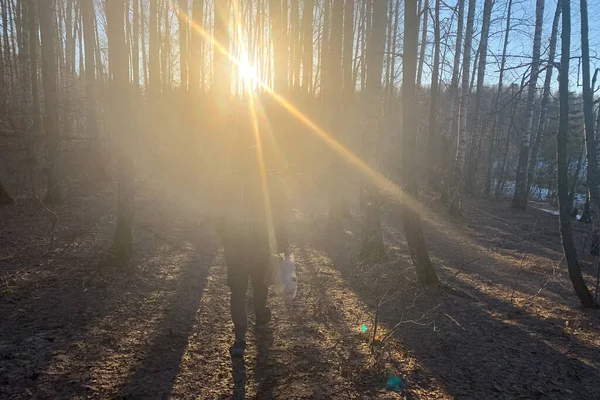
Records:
x=521, y=39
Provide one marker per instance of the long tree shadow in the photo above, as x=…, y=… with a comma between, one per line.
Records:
x=478, y=346
x=156, y=374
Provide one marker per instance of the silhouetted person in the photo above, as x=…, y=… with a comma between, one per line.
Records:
x=251, y=228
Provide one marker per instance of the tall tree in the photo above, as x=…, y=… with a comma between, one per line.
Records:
x=25, y=77
x=563, y=186
x=119, y=86
x=93, y=131
x=452, y=115
x=497, y=116
x=372, y=240
x=47, y=15
x=412, y=220
x=197, y=44
x=307, y=47
x=476, y=126
x=182, y=17
x=542, y=121
x=521, y=195
x=153, y=52
x=278, y=34
x=221, y=64
x=588, y=116
x=34, y=40
x=423, y=46
x=461, y=150
x=135, y=44
x=333, y=92
x=433, y=101
x=348, y=85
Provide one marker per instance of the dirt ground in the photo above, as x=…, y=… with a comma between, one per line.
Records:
x=504, y=323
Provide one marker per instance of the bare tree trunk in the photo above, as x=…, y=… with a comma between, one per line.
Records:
x=324, y=53
x=521, y=195
x=135, y=59
x=87, y=9
x=166, y=49
x=26, y=86
x=459, y=163
x=182, y=18
x=475, y=124
x=372, y=240
x=333, y=93
x=368, y=10
x=433, y=104
x=145, y=57
x=390, y=94
x=412, y=220
x=563, y=190
x=452, y=117
x=47, y=12
x=197, y=44
x=154, y=60
x=497, y=115
x=294, y=41
x=33, y=58
x=348, y=85
x=423, y=42
x=278, y=33
x=120, y=90
x=99, y=65
x=307, y=48
x=590, y=138
x=541, y=128
x=221, y=64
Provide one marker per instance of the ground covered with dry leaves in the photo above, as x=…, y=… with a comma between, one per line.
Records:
x=504, y=323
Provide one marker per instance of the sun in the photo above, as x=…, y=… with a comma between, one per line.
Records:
x=247, y=73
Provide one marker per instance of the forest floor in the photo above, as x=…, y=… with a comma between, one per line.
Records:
x=504, y=323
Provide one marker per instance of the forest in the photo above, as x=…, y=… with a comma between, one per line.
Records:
x=441, y=190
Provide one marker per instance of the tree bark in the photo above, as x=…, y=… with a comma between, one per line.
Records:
x=372, y=240
x=412, y=220
x=33, y=58
x=590, y=139
x=197, y=44
x=450, y=135
x=26, y=87
x=542, y=123
x=423, y=42
x=119, y=64
x=521, y=195
x=433, y=101
x=278, y=34
x=153, y=52
x=475, y=124
x=348, y=85
x=497, y=116
x=135, y=58
x=563, y=189
x=459, y=162
x=333, y=93
x=221, y=64
x=47, y=13
x=93, y=131
x=307, y=48
x=182, y=18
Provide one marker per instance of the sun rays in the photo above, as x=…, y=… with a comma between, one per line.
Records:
x=252, y=82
